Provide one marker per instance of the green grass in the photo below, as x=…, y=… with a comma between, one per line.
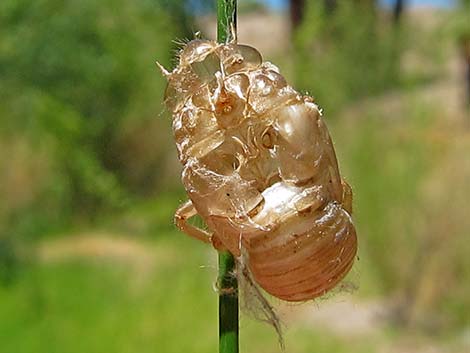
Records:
x=75, y=306
x=103, y=306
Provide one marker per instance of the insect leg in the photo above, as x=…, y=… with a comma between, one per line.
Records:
x=185, y=212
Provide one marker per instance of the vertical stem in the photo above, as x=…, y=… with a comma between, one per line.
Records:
x=227, y=281
x=226, y=20
x=228, y=304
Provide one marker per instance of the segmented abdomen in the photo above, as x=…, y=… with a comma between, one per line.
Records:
x=298, y=263
x=260, y=169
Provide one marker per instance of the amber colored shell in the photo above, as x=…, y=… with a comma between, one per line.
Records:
x=260, y=169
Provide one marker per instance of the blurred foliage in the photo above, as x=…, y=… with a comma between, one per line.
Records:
x=84, y=143
x=345, y=54
x=248, y=6
x=79, y=85
x=462, y=23
x=81, y=125
x=410, y=176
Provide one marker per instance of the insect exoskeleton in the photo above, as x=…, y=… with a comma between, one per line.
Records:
x=260, y=169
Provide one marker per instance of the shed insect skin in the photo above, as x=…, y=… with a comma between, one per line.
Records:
x=259, y=167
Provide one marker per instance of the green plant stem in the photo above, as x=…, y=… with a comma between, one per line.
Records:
x=227, y=281
x=228, y=304
x=226, y=20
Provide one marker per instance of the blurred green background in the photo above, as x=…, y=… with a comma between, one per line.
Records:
x=90, y=260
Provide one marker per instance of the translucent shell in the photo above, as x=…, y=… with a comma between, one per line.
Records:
x=196, y=51
x=260, y=169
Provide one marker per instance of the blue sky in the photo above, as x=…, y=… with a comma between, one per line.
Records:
x=280, y=4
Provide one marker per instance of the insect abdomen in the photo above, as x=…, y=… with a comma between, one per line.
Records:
x=304, y=265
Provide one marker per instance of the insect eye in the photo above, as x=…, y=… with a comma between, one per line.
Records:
x=250, y=55
x=196, y=50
